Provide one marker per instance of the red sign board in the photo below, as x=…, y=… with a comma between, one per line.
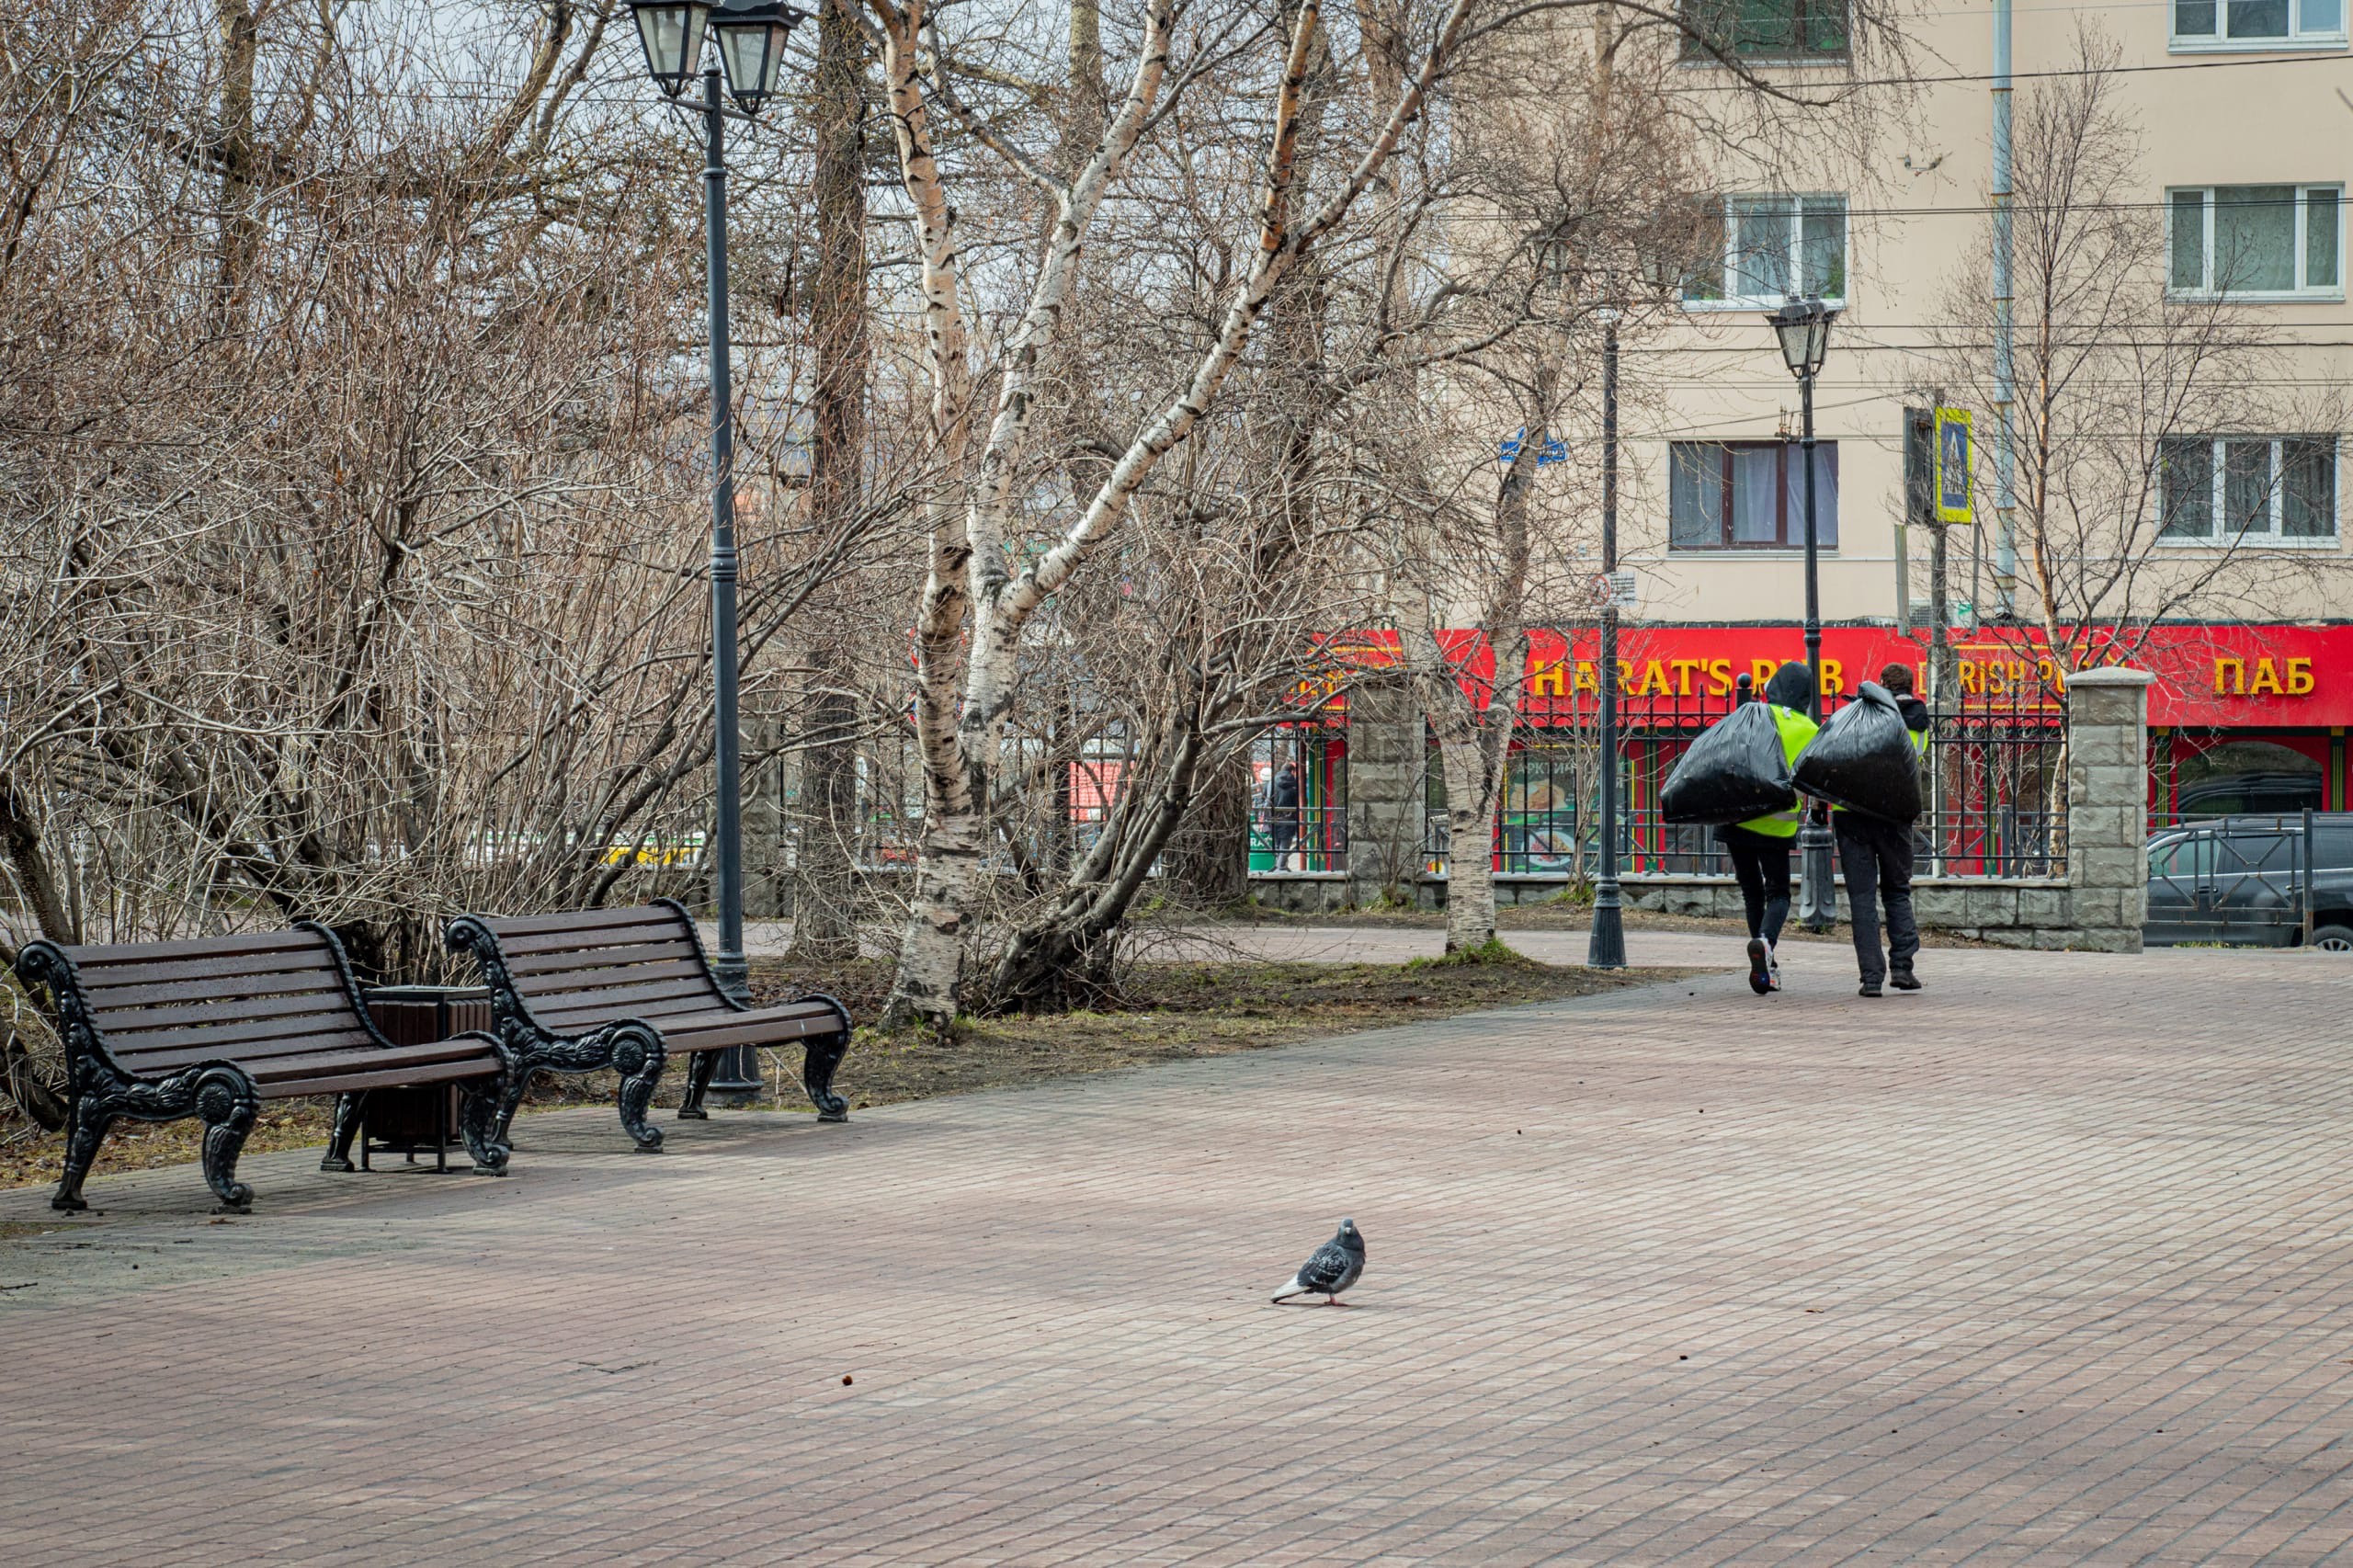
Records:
x=2244, y=676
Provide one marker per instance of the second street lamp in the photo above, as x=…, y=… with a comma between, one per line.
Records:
x=750, y=53
x=1803, y=328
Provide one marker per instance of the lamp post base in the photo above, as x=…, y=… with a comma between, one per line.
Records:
x=1605, y=948
x=1817, y=894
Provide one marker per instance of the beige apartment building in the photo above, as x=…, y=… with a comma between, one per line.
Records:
x=2229, y=136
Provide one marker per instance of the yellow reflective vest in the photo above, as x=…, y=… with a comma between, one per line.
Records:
x=1796, y=730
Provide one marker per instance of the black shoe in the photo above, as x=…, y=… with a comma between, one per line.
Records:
x=1869, y=988
x=1905, y=980
x=1760, y=966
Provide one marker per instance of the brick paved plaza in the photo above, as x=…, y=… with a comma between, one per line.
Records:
x=2050, y=1264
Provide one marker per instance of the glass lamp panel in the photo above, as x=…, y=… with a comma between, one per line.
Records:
x=753, y=57
x=672, y=35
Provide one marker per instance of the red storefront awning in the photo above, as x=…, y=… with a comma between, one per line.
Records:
x=2238, y=676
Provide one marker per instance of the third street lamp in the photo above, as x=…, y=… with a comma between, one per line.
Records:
x=1803, y=328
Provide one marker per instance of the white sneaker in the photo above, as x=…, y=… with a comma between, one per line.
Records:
x=1773, y=968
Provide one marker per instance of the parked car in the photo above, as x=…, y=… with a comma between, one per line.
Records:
x=2268, y=881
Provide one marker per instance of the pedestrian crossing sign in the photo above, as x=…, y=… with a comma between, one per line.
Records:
x=1952, y=465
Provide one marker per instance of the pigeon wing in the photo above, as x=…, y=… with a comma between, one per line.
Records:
x=1331, y=1268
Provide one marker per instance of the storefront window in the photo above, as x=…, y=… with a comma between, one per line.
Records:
x=2246, y=777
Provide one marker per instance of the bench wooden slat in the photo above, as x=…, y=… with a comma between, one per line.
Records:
x=660, y=927
x=530, y=964
x=98, y=955
x=720, y=1030
x=233, y=1035
x=578, y=920
x=275, y=985
x=345, y=1081
x=618, y=1001
x=124, y=1026
x=310, y=1057
x=583, y=1020
x=683, y=976
x=257, y=966
x=253, y=1057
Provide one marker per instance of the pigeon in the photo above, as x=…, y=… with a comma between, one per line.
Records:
x=1333, y=1268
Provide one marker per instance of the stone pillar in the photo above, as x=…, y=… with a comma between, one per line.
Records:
x=2108, y=808
x=1385, y=748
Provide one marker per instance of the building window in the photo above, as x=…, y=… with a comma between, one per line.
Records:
x=2256, y=24
x=1749, y=494
x=1770, y=29
x=2279, y=240
x=2226, y=488
x=1766, y=249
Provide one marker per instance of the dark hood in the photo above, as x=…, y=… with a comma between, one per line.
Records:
x=1914, y=712
x=1791, y=686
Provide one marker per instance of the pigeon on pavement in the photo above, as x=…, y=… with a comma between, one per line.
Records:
x=1333, y=1268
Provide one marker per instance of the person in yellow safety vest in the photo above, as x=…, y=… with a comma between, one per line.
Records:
x=1875, y=862
x=1760, y=846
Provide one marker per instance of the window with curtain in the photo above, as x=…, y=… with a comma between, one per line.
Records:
x=2274, y=240
x=1765, y=29
x=1749, y=494
x=2259, y=24
x=2227, y=488
x=1766, y=249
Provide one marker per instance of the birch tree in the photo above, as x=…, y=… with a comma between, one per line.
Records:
x=975, y=585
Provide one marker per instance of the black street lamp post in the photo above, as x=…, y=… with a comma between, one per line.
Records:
x=1803, y=328
x=750, y=40
x=1605, y=947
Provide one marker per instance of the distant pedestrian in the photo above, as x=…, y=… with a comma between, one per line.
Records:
x=1759, y=848
x=1875, y=859
x=1282, y=814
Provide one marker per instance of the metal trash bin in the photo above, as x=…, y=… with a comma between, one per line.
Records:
x=411, y=1121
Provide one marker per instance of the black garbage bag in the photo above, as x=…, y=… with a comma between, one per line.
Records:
x=1735, y=770
x=1862, y=759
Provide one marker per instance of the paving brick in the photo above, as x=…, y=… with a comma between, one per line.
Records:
x=2044, y=1265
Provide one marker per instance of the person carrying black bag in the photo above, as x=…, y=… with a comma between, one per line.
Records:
x=1759, y=848
x=1875, y=859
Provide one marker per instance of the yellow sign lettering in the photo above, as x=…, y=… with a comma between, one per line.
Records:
x=2267, y=679
x=2237, y=668
x=2299, y=677
x=1718, y=677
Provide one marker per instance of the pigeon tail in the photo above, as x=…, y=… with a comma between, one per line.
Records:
x=1294, y=1288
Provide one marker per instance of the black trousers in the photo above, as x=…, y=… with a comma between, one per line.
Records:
x=1761, y=862
x=1875, y=857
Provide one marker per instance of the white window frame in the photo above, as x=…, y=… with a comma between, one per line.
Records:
x=1796, y=201
x=2206, y=290
x=2220, y=42
x=2217, y=536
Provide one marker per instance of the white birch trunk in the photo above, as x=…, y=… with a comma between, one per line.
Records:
x=958, y=763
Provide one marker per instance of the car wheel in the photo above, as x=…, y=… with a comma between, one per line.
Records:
x=2332, y=939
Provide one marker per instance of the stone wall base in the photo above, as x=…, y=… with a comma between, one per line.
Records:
x=2015, y=913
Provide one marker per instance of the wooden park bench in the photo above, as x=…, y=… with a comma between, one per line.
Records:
x=211, y=1027
x=624, y=989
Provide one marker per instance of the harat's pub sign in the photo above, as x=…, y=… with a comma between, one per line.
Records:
x=2230, y=677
